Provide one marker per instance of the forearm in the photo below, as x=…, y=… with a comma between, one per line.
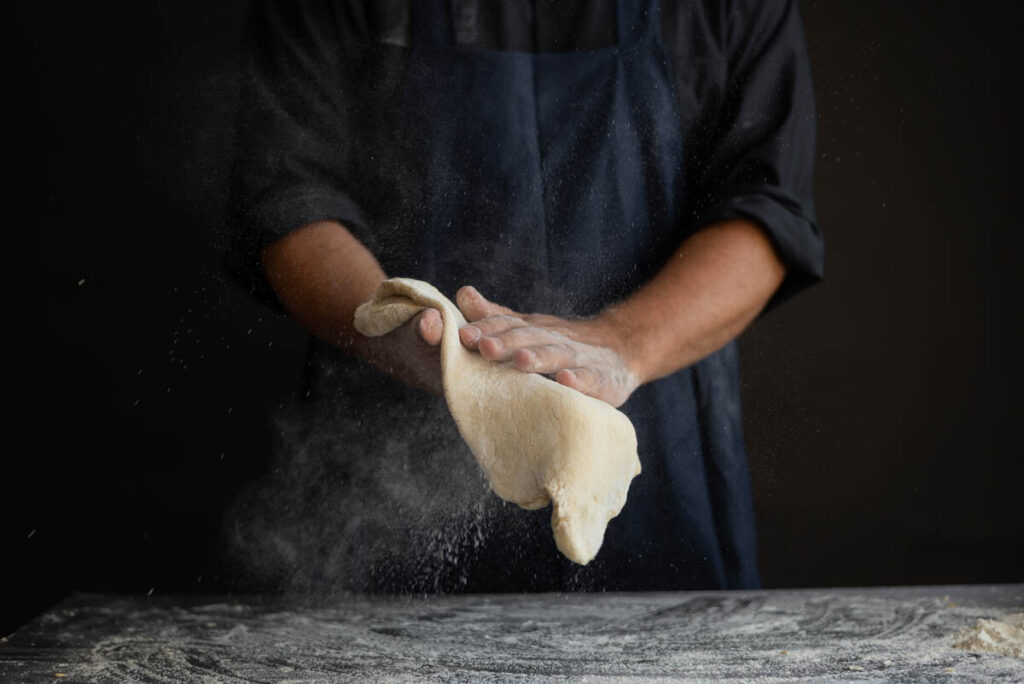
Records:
x=714, y=285
x=321, y=273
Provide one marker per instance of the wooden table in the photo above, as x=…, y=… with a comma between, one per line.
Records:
x=890, y=634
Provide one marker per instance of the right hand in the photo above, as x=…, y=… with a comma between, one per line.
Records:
x=411, y=352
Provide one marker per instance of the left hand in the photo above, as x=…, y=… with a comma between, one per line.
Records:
x=587, y=355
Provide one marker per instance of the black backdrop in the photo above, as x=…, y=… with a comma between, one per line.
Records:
x=882, y=406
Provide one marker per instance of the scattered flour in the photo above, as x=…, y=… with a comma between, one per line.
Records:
x=1004, y=636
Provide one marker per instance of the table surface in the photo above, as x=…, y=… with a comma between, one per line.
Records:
x=890, y=634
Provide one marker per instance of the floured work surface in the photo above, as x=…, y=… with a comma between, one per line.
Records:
x=899, y=634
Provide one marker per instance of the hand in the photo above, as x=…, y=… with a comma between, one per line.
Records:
x=410, y=352
x=586, y=355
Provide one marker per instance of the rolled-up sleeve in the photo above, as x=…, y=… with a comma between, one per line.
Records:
x=761, y=166
x=292, y=151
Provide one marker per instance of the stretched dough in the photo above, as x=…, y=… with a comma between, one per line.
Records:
x=536, y=440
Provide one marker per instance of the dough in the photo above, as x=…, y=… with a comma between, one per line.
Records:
x=536, y=440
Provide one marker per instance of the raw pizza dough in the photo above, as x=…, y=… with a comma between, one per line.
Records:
x=536, y=440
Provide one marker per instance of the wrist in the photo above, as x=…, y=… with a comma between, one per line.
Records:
x=626, y=339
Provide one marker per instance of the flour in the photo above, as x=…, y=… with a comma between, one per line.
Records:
x=836, y=635
x=355, y=502
x=1004, y=636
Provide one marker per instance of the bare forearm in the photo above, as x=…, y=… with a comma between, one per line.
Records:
x=321, y=273
x=709, y=291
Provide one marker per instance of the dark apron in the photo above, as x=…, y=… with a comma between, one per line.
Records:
x=555, y=183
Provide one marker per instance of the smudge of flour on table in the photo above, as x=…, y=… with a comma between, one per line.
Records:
x=1002, y=636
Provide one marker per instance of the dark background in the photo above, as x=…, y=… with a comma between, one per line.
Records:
x=882, y=406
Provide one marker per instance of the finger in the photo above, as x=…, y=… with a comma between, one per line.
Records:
x=430, y=325
x=585, y=380
x=493, y=325
x=503, y=345
x=549, y=358
x=475, y=306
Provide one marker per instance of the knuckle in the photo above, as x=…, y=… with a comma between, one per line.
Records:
x=571, y=353
x=525, y=360
x=550, y=352
x=592, y=379
x=520, y=335
x=490, y=324
x=493, y=324
x=547, y=358
x=485, y=330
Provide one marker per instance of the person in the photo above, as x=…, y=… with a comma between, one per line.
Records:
x=613, y=191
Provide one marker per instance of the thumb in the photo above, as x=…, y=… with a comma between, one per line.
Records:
x=430, y=325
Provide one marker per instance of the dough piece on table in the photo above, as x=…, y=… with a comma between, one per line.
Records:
x=536, y=440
